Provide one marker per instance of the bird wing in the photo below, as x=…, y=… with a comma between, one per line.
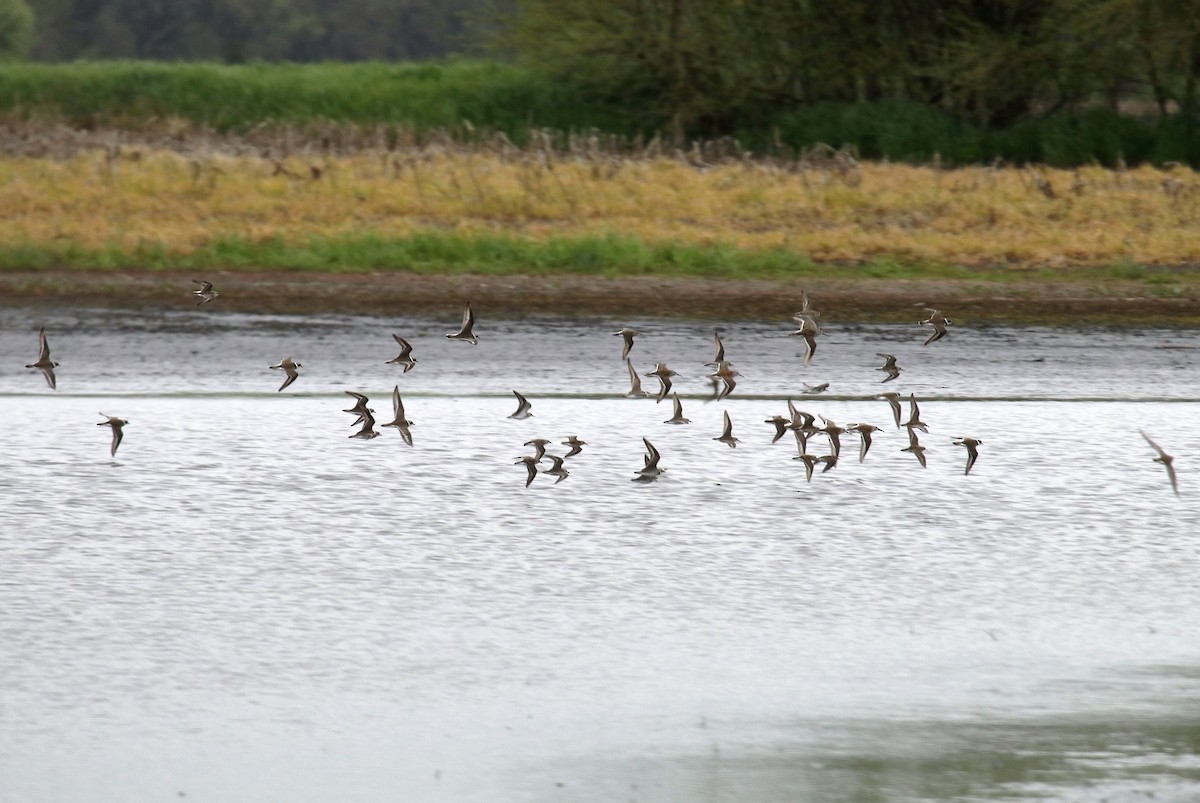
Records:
x=1156, y=447
x=43, y=346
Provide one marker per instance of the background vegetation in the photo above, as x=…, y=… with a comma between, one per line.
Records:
x=1057, y=81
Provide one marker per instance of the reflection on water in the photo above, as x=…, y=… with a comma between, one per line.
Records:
x=248, y=605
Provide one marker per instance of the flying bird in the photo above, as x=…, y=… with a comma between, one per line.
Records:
x=720, y=356
x=405, y=357
x=809, y=331
x=725, y=376
x=914, y=415
x=972, y=447
x=205, y=292
x=556, y=468
x=467, y=331
x=44, y=363
x=650, y=471
x=635, y=383
x=629, y=335
x=893, y=400
x=678, y=417
x=915, y=447
x=575, y=444
x=368, y=427
x=400, y=421
x=360, y=407
x=865, y=431
x=523, y=406
x=939, y=322
x=1167, y=460
x=288, y=366
x=530, y=465
x=889, y=366
x=664, y=375
x=727, y=433
x=539, y=447
x=118, y=431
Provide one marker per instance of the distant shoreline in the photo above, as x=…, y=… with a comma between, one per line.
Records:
x=858, y=300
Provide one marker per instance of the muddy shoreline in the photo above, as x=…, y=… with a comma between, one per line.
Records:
x=396, y=293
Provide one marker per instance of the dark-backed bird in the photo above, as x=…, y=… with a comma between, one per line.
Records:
x=118, y=431
x=1167, y=460
x=44, y=363
x=466, y=332
x=288, y=366
x=405, y=357
x=523, y=407
x=939, y=322
x=972, y=447
x=205, y=292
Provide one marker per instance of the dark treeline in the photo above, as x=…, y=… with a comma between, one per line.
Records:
x=249, y=30
x=712, y=65
x=1064, y=80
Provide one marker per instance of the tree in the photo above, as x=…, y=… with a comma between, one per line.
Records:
x=16, y=28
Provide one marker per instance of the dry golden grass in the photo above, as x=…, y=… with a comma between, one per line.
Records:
x=826, y=205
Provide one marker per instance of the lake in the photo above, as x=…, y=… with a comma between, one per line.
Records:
x=247, y=604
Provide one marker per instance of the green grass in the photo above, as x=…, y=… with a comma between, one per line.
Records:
x=493, y=96
x=419, y=96
x=431, y=252
x=439, y=252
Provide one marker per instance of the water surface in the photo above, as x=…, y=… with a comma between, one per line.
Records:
x=247, y=604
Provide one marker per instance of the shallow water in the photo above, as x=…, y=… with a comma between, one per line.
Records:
x=246, y=604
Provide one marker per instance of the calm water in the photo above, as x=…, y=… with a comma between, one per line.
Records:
x=248, y=605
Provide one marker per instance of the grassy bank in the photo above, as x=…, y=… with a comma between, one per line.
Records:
x=416, y=99
x=490, y=210
x=415, y=96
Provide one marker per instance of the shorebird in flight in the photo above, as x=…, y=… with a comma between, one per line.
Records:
x=530, y=465
x=915, y=447
x=629, y=335
x=399, y=421
x=914, y=415
x=972, y=447
x=808, y=331
x=720, y=355
x=893, y=400
x=539, y=448
x=118, y=431
x=1167, y=460
x=725, y=375
x=650, y=471
x=678, y=417
x=889, y=366
x=575, y=444
x=288, y=366
x=556, y=468
x=834, y=433
x=44, y=363
x=781, y=426
x=467, y=331
x=635, y=383
x=523, y=407
x=939, y=322
x=865, y=431
x=815, y=389
x=727, y=433
x=368, y=427
x=205, y=292
x=360, y=407
x=664, y=375
x=405, y=357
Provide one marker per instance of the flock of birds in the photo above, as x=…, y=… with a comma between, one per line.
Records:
x=802, y=425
